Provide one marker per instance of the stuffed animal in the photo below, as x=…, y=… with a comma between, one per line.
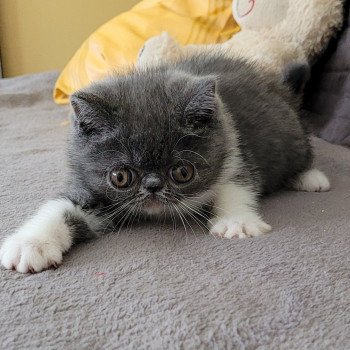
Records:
x=274, y=33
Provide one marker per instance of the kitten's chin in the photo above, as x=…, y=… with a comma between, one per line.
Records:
x=153, y=207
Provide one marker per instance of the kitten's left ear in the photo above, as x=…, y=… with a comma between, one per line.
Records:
x=202, y=108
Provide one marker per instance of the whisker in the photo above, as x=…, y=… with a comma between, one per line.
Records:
x=206, y=204
x=177, y=210
x=195, y=218
x=173, y=219
x=135, y=213
x=111, y=216
x=195, y=211
x=187, y=135
x=199, y=223
x=184, y=217
x=125, y=216
x=196, y=153
x=115, y=213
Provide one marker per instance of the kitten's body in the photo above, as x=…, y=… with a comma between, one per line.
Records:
x=273, y=143
x=229, y=131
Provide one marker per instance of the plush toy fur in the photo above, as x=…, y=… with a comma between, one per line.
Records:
x=274, y=33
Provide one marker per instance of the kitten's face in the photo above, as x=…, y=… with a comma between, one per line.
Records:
x=148, y=142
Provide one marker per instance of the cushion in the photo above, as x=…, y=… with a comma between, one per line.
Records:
x=117, y=43
x=327, y=99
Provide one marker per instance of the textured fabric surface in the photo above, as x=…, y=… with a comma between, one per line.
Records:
x=151, y=288
x=328, y=92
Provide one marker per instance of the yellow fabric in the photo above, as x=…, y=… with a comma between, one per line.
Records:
x=118, y=42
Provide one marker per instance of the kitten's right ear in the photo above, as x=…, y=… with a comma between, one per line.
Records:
x=201, y=111
x=88, y=111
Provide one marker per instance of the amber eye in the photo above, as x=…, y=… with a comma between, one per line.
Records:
x=182, y=173
x=122, y=178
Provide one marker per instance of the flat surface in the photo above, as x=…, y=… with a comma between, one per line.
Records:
x=157, y=289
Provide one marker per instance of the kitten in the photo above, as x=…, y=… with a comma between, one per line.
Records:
x=169, y=140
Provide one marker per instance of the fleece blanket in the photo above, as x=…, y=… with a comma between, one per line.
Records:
x=150, y=287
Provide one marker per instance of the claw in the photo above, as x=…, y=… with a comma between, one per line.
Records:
x=53, y=265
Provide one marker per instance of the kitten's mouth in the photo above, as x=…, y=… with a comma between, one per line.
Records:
x=153, y=205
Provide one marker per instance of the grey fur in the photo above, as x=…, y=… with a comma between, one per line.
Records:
x=150, y=119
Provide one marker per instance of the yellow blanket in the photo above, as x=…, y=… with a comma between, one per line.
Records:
x=118, y=42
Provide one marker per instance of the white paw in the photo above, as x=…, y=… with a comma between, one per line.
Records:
x=40, y=242
x=30, y=254
x=312, y=180
x=240, y=228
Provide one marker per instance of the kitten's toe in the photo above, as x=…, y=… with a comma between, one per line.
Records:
x=237, y=228
x=312, y=180
x=257, y=228
x=234, y=230
x=9, y=255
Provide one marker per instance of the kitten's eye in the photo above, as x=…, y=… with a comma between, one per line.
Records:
x=122, y=178
x=182, y=173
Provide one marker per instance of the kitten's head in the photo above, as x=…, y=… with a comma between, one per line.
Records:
x=148, y=142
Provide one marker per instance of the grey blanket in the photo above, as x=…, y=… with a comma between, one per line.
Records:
x=152, y=288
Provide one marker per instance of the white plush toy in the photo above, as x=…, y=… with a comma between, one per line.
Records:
x=273, y=33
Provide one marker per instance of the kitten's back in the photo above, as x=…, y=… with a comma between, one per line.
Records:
x=264, y=111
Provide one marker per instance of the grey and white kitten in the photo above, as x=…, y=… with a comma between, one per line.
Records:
x=205, y=132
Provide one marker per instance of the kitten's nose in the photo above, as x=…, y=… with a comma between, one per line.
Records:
x=152, y=182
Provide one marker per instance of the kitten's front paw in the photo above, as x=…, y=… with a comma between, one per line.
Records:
x=41, y=241
x=28, y=253
x=240, y=227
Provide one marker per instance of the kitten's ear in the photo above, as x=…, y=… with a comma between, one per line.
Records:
x=88, y=112
x=202, y=108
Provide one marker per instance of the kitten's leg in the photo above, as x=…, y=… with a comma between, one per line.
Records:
x=237, y=215
x=42, y=240
x=312, y=180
